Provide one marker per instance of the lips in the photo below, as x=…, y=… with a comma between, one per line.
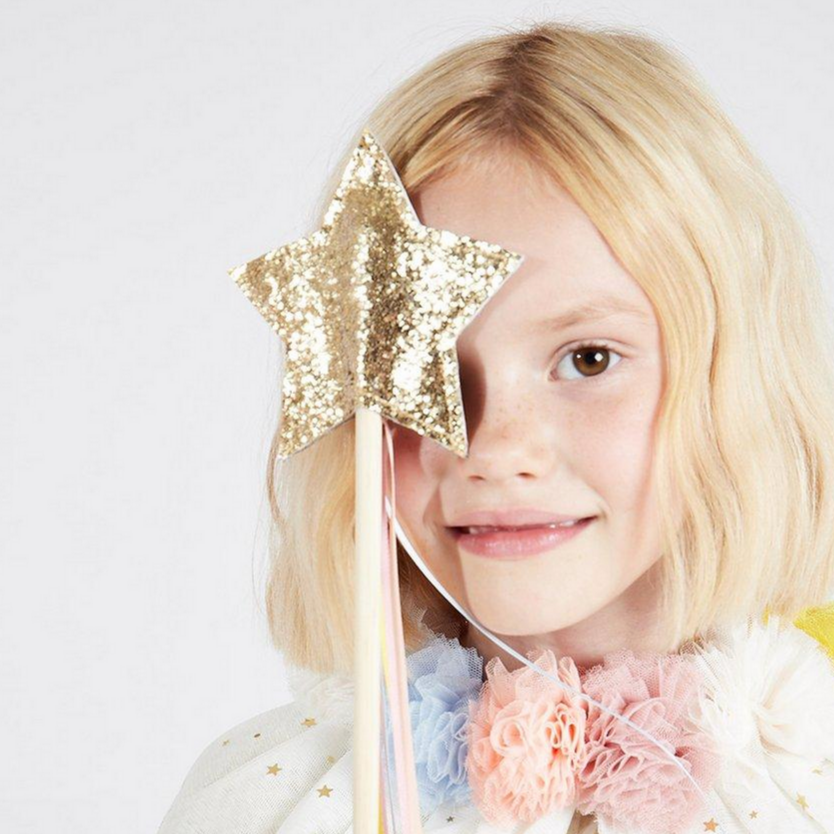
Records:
x=517, y=541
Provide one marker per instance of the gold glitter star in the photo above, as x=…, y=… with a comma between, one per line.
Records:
x=309, y=722
x=273, y=769
x=225, y=742
x=325, y=791
x=802, y=801
x=712, y=825
x=369, y=308
x=817, y=770
x=754, y=814
x=450, y=819
x=331, y=759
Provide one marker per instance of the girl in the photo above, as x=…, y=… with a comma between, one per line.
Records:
x=648, y=491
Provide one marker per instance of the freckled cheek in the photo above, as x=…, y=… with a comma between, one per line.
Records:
x=612, y=449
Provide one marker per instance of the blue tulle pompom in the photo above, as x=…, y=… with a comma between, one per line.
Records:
x=443, y=677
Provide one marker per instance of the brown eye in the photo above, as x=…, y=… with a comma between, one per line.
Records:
x=587, y=361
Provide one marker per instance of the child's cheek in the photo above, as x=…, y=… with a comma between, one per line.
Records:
x=416, y=478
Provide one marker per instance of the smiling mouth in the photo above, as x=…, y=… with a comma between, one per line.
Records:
x=518, y=542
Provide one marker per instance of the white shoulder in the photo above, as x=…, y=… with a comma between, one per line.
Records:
x=275, y=770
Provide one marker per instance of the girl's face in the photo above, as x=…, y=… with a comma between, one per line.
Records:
x=561, y=375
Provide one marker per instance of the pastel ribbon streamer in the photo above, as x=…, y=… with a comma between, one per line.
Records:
x=394, y=668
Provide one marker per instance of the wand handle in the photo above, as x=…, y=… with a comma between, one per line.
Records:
x=367, y=623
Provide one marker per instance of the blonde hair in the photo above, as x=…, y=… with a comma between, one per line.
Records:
x=745, y=437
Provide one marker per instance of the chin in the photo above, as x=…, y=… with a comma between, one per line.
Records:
x=516, y=621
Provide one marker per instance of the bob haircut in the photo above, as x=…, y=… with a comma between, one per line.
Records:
x=745, y=437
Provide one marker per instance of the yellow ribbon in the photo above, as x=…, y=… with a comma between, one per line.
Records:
x=818, y=621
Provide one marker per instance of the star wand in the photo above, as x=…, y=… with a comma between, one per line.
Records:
x=369, y=308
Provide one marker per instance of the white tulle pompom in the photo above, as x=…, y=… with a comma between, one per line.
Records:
x=769, y=683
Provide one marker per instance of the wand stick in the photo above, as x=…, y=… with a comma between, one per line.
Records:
x=367, y=615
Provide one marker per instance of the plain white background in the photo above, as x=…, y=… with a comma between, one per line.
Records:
x=147, y=148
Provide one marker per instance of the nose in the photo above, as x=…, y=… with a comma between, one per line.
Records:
x=508, y=440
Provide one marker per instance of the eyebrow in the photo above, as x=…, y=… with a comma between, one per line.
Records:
x=596, y=310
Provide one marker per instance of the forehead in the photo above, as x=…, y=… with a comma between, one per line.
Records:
x=569, y=271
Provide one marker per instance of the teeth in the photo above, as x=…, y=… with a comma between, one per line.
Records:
x=476, y=530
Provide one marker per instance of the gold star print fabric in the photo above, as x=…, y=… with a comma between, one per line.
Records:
x=369, y=307
x=288, y=770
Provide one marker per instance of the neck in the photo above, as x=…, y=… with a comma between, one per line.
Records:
x=629, y=621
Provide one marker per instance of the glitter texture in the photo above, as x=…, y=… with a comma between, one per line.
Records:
x=369, y=308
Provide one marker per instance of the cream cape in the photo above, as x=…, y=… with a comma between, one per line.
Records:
x=288, y=770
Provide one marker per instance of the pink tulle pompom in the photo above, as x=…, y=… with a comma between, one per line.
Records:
x=526, y=741
x=627, y=778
